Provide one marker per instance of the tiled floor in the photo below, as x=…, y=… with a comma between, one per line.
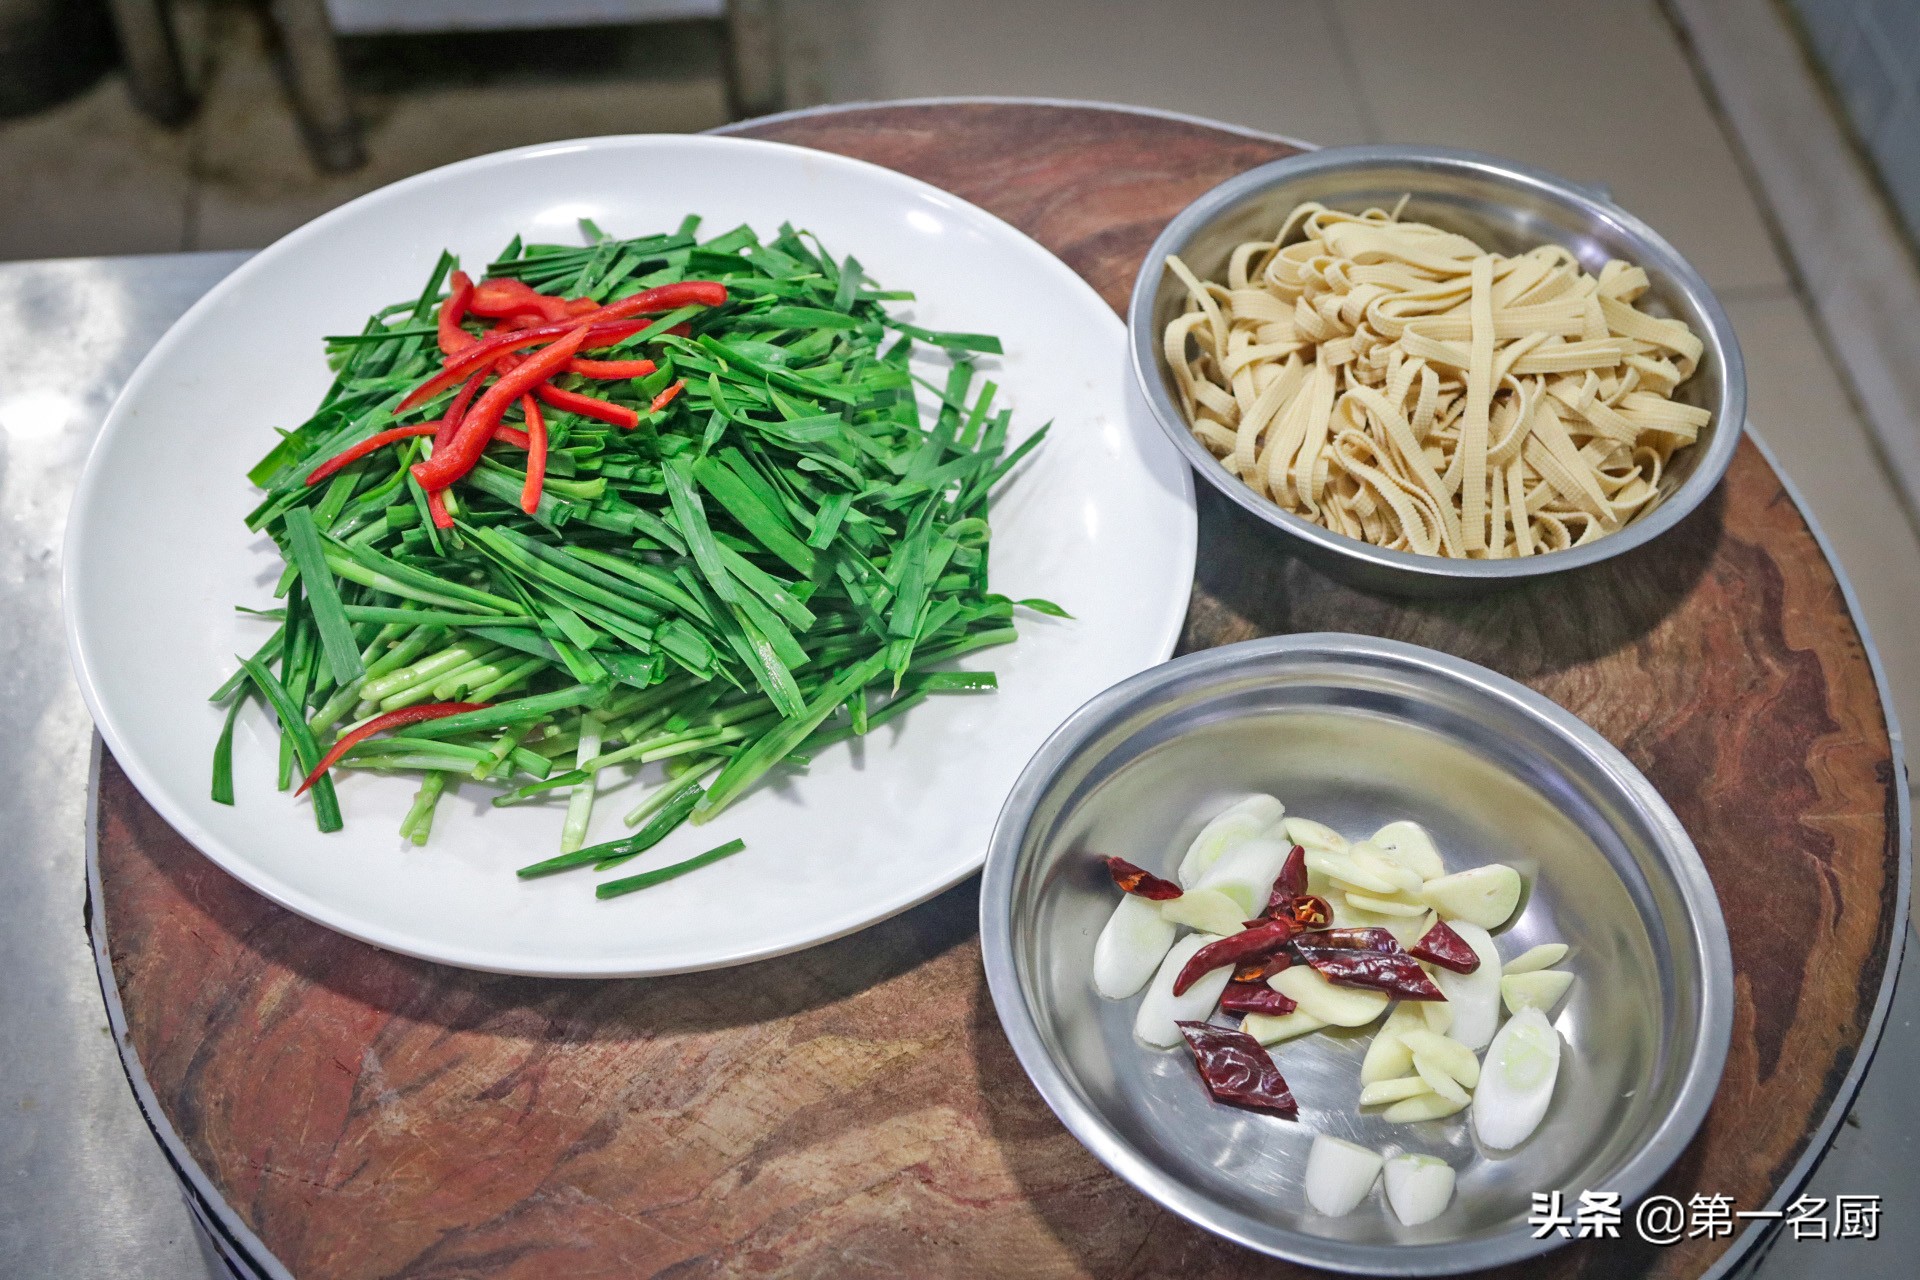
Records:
x=1601, y=93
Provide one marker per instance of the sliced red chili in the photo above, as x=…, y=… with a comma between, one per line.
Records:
x=588, y=406
x=1442, y=946
x=610, y=368
x=1397, y=975
x=665, y=297
x=1140, y=882
x=373, y=443
x=513, y=436
x=452, y=337
x=1264, y=938
x=665, y=398
x=490, y=348
x=507, y=296
x=536, y=455
x=1255, y=997
x=1237, y=1071
x=380, y=724
x=460, y=454
x=612, y=322
x=456, y=411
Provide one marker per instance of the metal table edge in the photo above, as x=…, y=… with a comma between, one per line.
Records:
x=241, y=1250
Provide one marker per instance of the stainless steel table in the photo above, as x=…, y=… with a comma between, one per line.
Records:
x=84, y=1189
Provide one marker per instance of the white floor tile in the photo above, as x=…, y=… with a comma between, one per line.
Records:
x=1599, y=93
x=1264, y=64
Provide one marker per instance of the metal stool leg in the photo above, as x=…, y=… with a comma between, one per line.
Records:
x=152, y=59
x=754, y=81
x=318, y=82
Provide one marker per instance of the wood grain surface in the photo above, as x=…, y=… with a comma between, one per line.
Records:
x=855, y=1110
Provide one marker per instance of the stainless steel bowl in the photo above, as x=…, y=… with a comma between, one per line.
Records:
x=1356, y=732
x=1505, y=207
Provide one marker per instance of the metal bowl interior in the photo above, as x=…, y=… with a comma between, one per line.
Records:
x=1355, y=733
x=1507, y=209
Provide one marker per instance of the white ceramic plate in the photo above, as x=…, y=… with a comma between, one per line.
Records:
x=157, y=555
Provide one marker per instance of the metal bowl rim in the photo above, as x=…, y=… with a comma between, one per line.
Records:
x=1144, y=347
x=1711, y=949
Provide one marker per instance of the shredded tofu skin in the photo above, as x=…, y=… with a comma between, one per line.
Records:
x=1398, y=384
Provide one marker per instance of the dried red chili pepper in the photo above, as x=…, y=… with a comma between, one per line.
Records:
x=1264, y=938
x=1140, y=882
x=1255, y=997
x=1308, y=911
x=1292, y=881
x=1371, y=938
x=1263, y=968
x=1397, y=975
x=1442, y=946
x=1237, y=1071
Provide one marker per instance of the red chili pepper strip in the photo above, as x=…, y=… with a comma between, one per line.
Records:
x=452, y=337
x=1397, y=975
x=1262, y=939
x=509, y=435
x=1262, y=969
x=491, y=348
x=613, y=318
x=507, y=296
x=380, y=724
x=610, y=368
x=1442, y=946
x=1237, y=1071
x=1141, y=883
x=587, y=406
x=665, y=297
x=581, y=306
x=378, y=440
x=536, y=455
x=665, y=398
x=463, y=451
x=1255, y=997
x=457, y=410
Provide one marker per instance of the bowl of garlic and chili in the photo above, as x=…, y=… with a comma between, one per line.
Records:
x=1536, y=827
x=1436, y=370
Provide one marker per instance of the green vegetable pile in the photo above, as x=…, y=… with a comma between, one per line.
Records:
x=778, y=559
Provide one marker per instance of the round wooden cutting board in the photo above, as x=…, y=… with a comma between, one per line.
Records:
x=855, y=1110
